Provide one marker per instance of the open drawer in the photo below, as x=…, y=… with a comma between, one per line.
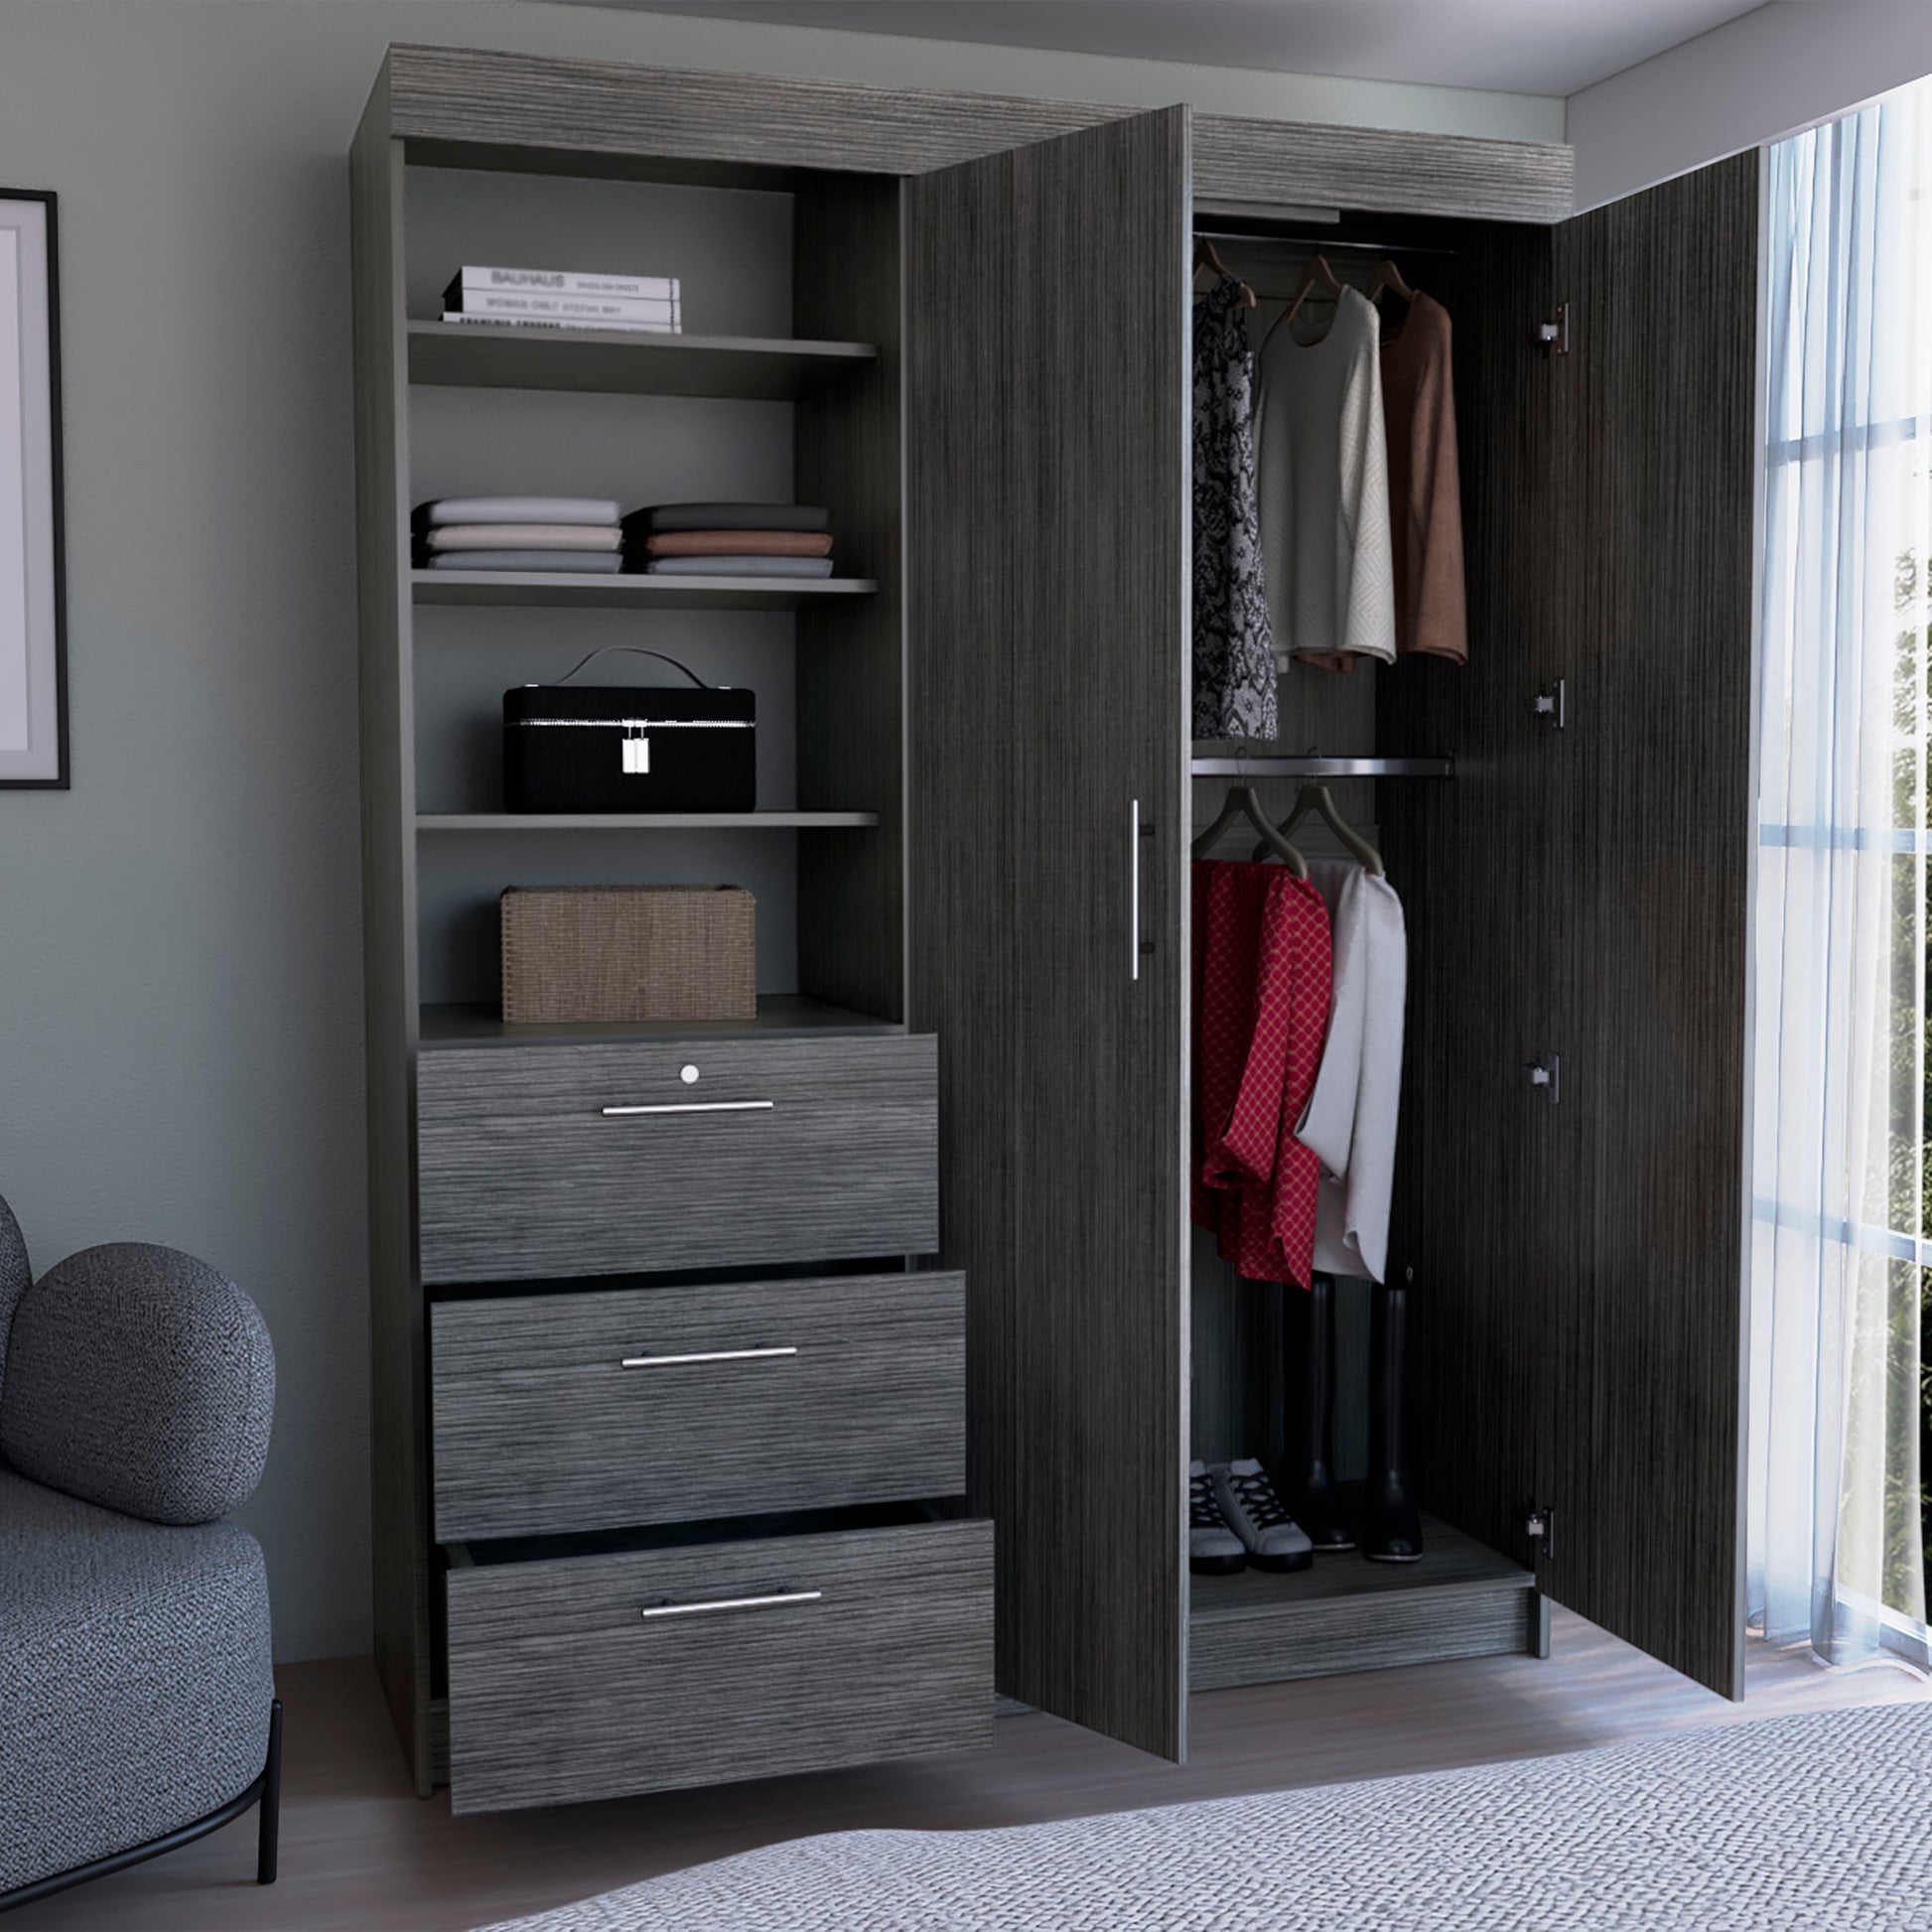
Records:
x=591, y=1667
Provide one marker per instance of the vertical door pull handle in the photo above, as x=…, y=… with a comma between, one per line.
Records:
x=1134, y=889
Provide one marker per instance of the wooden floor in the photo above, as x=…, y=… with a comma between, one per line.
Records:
x=362, y=1854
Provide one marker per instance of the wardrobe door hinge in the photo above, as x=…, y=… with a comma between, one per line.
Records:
x=1554, y=334
x=1550, y=705
x=1540, y=1526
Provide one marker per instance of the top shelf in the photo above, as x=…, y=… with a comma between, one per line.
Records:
x=475, y=355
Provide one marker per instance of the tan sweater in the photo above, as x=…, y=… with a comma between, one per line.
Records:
x=1425, y=491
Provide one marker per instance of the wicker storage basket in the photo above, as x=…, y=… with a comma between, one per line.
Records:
x=603, y=953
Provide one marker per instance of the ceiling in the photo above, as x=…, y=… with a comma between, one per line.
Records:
x=1528, y=47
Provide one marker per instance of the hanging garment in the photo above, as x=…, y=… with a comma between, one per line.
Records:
x=1234, y=653
x=1326, y=554
x=1262, y=974
x=1350, y=1122
x=1425, y=491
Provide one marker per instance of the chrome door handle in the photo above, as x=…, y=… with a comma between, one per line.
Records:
x=771, y=1602
x=709, y=1356
x=695, y=1107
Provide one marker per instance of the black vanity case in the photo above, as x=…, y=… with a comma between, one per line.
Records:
x=629, y=747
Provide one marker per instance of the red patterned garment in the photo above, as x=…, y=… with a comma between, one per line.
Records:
x=1263, y=973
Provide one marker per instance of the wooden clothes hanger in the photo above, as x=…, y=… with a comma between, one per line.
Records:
x=1205, y=255
x=1318, y=800
x=1319, y=280
x=1243, y=801
x=1388, y=276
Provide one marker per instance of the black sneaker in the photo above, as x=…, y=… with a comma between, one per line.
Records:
x=1213, y=1550
x=1251, y=1508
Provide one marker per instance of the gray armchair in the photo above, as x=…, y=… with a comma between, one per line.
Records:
x=137, y=1701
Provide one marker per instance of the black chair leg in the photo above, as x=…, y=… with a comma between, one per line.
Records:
x=271, y=1817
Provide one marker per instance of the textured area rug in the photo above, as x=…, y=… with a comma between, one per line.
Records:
x=1821, y=1822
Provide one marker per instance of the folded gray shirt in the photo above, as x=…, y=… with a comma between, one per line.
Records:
x=663, y=518
x=739, y=567
x=587, y=563
x=518, y=510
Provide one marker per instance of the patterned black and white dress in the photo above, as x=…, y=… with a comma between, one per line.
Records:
x=1234, y=646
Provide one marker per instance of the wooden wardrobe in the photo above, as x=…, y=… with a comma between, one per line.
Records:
x=1575, y=899
x=1011, y=711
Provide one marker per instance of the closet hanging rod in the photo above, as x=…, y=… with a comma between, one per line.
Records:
x=1258, y=766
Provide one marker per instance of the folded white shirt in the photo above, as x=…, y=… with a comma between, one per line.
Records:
x=521, y=509
x=524, y=537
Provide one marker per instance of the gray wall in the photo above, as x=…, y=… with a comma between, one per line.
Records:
x=1757, y=78
x=180, y=981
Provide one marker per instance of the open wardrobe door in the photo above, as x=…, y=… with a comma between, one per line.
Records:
x=1656, y=388
x=1047, y=398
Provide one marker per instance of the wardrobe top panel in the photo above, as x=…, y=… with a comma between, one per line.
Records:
x=453, y=104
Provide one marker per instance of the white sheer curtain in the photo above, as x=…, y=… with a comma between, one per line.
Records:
x=1839, y=1233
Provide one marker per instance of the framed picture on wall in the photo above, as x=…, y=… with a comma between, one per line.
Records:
x=33, y=591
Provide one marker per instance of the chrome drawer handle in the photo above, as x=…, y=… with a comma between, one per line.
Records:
x=697, y=1107
x=710, y=1355
x=772, y=1602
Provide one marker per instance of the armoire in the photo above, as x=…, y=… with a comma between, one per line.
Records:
x=993, y=790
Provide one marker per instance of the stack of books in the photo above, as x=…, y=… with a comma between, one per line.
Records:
x=555, y=298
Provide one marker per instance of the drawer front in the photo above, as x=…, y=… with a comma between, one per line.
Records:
x=791, y=1655
x=598, y=1159
x=584, y=1411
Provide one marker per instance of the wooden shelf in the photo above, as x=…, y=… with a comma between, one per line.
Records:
x=1462, y=1600
x=611, y=362
x=781, y=1015
x=643, y=821
x=562, y=589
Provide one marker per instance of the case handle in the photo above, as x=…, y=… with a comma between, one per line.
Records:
x=639, y=650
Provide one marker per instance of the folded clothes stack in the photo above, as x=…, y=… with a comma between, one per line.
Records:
x=519, y=533
x=729, y=540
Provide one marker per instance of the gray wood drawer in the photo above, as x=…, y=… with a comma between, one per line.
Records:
x=788, y=1150
x=540, y=1428
x=562, y=1689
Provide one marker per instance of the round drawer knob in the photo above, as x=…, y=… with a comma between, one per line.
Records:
x=688, y=1074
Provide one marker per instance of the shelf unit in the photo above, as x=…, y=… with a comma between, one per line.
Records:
x=565, y=590
x=792, y=390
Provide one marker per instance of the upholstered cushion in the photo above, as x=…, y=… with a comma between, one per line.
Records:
x=140, y=1379
x=15, y=1278
x=134, y=1678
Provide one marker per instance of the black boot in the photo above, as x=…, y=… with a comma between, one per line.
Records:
x=1311, y=1472
x=1391, y=1529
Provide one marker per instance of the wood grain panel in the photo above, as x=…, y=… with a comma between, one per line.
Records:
x=1659, y=425
x=851, y=675
x=1477, y=862
x=1050, y=696
x=560, y=1691
x=1367, y=1633
x=521, y=1175
x=399, y=1508
x=603, y=110
x=540, y=1429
